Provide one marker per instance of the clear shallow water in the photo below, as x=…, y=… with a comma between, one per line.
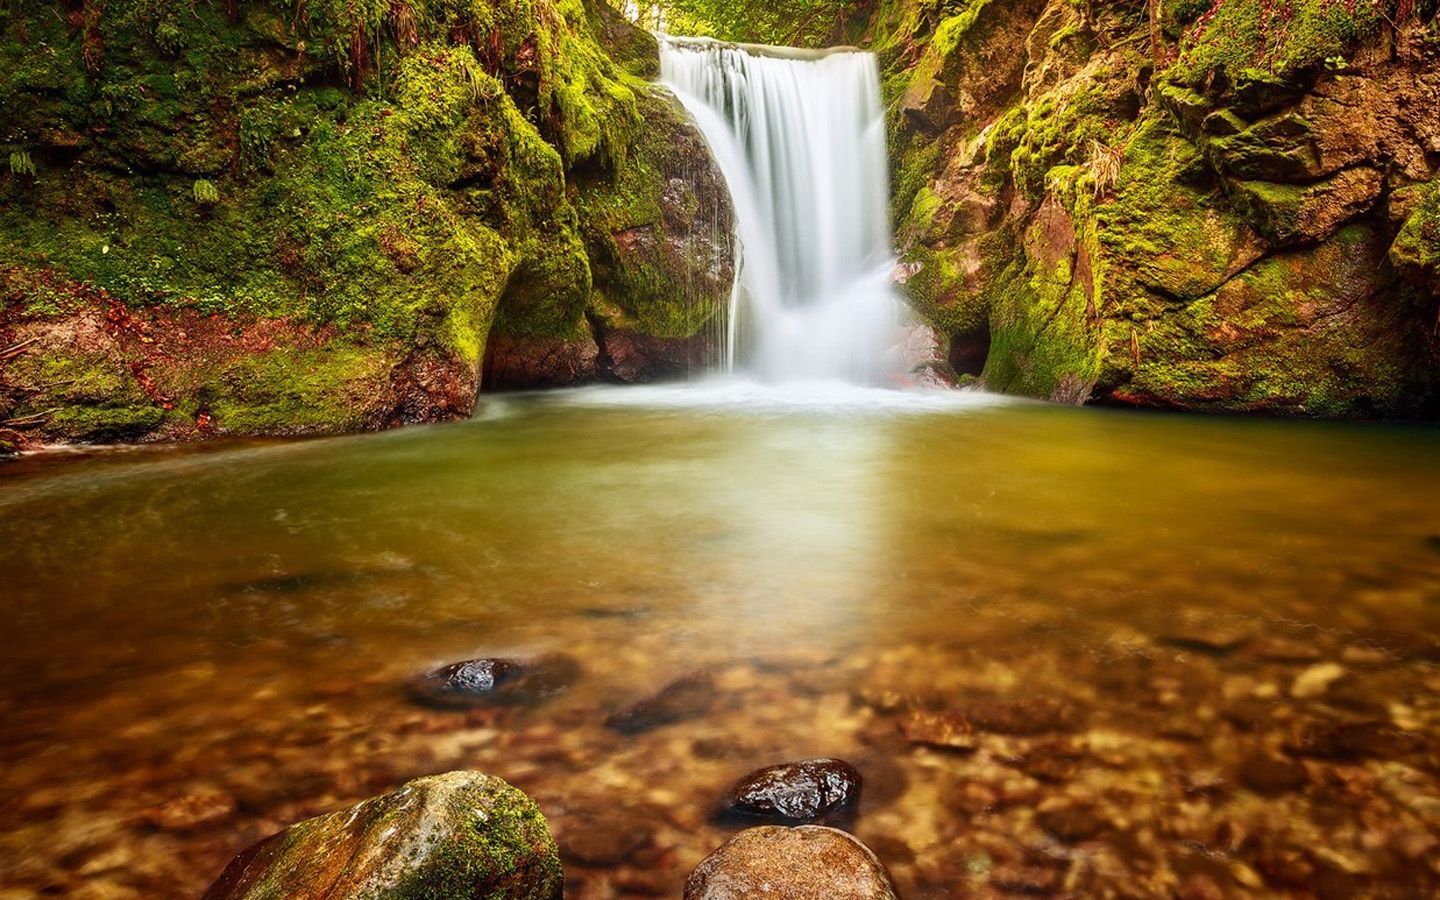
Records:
x=1139, y=613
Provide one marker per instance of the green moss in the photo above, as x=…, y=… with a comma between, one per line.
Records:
x=1246, y=42
x=294, y=392
x=103, y=424
x=1417, y=245
x=1268, y=339
x=386, y=170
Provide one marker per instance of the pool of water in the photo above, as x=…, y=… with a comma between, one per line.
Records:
x=1198, y=655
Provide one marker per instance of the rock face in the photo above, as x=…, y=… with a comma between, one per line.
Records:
x=232, y=221
x=456, y=836
x=810, y=862
x=1189, y=205
x=801, y=791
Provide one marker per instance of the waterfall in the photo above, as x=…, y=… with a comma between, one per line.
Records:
x=800, y=139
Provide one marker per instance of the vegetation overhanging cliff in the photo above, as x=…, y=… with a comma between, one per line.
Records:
x=314, y=216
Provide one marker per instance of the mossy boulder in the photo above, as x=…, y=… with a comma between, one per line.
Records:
x=352, y=197
x=457, y=836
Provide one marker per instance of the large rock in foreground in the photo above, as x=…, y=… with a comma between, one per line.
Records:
x=455, y=836
x=811, y=862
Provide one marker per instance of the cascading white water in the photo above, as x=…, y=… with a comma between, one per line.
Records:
x=800, y=139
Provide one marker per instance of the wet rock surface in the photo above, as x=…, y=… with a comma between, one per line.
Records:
x=810, y=862
x=478, y=682
x=449, y=837
x=803, y=791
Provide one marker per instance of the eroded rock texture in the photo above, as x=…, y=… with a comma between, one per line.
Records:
x=1229, y=206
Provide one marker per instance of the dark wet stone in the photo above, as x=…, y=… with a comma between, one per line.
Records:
x=810, y=862
x=1071, y=822
x=684, y=698
x=481, y=682
x=1034, y=715
x=801, y=791
x=942, y=730
x=1354, y=740
x=1271, y=775
x=462, y=684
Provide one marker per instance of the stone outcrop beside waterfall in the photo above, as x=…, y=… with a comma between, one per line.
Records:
x=1229, y=206
x=230, y=217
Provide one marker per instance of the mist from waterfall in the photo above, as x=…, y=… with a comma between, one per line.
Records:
x=800, y=139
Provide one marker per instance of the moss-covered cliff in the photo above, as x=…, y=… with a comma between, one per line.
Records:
x=311, y=215
x=1226, y=205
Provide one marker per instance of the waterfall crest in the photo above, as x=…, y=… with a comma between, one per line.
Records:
x=800, y=139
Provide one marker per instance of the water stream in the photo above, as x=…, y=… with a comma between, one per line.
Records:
x=203, y=644
x=800, y=139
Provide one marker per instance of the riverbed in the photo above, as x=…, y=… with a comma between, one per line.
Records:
x=1192, y=656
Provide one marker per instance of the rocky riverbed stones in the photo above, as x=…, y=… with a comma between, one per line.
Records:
x=486, y=681
x=810, y=862
x=801, y=791
x=456, y=836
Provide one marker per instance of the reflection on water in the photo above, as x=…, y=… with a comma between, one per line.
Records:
x=1198, y=653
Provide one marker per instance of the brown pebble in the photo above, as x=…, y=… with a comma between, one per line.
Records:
x=941, y=730
x=1071, y=822
x=1265, y=773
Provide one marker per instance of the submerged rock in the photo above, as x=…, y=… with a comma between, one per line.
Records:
x=1070, y=821
x=1267, y=774
x=1030, y=716
x=684, y=698
x=455, y=836
x=797, y=791
x=480, y=682
x=810, y=862
x=942, y=730
x=1354, y=740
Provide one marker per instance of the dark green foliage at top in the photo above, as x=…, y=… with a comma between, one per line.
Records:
x=346, y=161
x=801, y=23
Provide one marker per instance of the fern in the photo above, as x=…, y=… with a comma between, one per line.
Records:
x=21, y=163
x=205, y=192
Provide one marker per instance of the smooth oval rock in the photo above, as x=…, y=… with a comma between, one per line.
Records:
x=796, y=791
x=810, y=862
x=456, y=836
